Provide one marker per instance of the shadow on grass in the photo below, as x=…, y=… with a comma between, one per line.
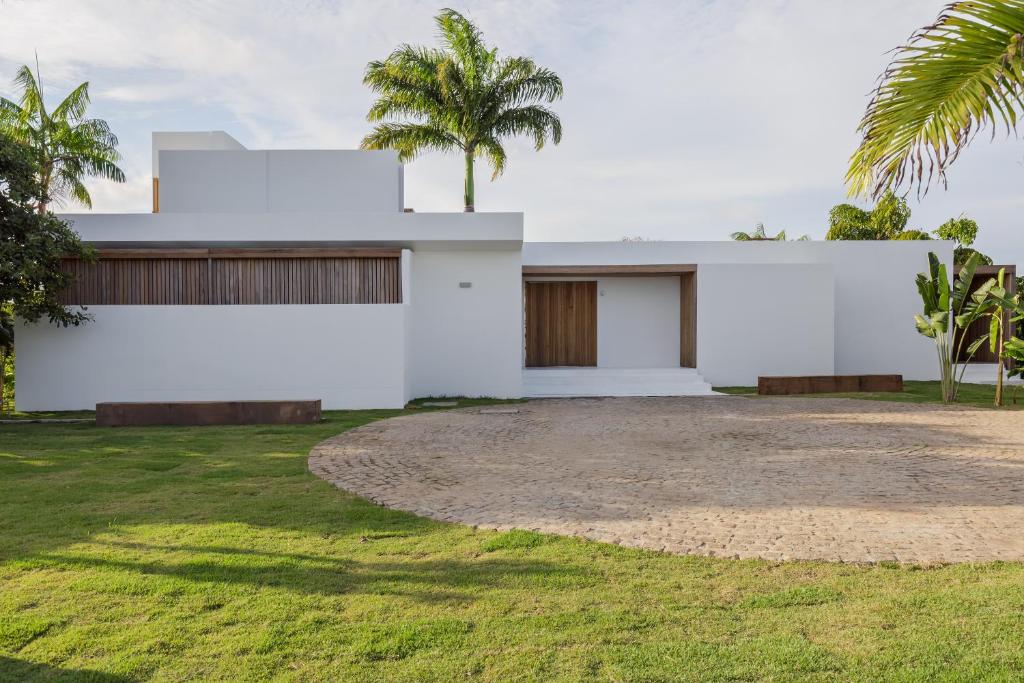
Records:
x=448, y=580
x=19, y=670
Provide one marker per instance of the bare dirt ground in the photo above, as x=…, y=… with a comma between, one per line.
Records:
x=773, y=478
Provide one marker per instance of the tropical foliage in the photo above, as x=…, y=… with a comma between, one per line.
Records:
x=888, y=221
x=994, y=302
x=67, y=145
x=963, y=231
x=6, y=359
x=759, y=235
x=32, y=245
x=953, y=78
x=460, y=98
x=945, y=305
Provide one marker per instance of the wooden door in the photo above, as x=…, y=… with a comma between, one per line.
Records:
x=561, y=324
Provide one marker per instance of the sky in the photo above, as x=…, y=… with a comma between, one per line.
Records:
x=683, y=120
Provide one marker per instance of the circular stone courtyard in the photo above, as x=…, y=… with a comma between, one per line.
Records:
x=773, y=478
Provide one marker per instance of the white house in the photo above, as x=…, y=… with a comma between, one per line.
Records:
x=287, y=274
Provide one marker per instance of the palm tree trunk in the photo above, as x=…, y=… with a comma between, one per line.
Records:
x=469, y=194
x=44, y=180
x=3, y=376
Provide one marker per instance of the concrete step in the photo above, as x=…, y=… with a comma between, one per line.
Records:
x=567, y=382
x=985, y=373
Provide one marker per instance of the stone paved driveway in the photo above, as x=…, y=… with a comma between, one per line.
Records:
x=775, y=478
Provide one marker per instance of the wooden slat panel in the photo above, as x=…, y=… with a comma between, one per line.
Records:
x=561, y=324
x=107, y=253
x=688, y=320
x=234, y=281
x=130, y=282
x=828, y=384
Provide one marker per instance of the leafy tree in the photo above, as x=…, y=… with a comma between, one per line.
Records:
x=66, y=145
x=460, y=98
x=759, y=235
x=913, y=235
x=953, y=78
x=887, y=221
x=32, y=245
x=963, y=231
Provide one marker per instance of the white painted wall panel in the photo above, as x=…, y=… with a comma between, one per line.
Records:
x=333, y=180
x=213, y=181
x=419, y=231
x=467, y=341
x=755, y=319
x=638, y=322
x=278, y=181
x=349, y=356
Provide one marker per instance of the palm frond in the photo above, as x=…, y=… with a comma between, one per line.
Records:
x=535, y=120
x=31, y=92
x=73, y=107
x=954, y=78
x=492, y=149
x=410, y=139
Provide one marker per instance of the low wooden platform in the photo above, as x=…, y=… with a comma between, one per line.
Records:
x=200, y=413
x=828, y=384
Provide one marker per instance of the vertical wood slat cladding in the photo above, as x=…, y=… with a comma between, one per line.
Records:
x=561, y=324
x=234, y=281
x=688, y=320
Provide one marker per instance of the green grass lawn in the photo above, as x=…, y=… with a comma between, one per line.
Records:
x=977, y=395
x=211, y=553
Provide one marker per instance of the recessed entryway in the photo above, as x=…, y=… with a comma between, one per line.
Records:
x=615, y=331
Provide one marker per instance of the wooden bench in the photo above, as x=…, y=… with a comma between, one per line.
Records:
x=198, y=413
x=828, y=384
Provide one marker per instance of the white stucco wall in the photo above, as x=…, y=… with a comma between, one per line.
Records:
x=349, y=356
x=418, y=231
x=756, y=319
x=638, y=322
x=279, y=181
x=875, y=298
x=466, y=341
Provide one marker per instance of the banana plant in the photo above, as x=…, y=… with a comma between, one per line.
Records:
x=942, y=304
x=1005, y=313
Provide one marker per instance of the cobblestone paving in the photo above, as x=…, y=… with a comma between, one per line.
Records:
x=774, y=478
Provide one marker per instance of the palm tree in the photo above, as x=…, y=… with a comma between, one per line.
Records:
x=67, y=145
x=952, y=79
x=759, y=235
x=460, y=98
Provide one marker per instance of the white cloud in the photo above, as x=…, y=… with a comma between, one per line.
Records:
x=682, y=119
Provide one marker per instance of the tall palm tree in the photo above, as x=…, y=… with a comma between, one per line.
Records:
x=460, y=98
x=67, y=145
x=963, y=73
x=759, y=235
